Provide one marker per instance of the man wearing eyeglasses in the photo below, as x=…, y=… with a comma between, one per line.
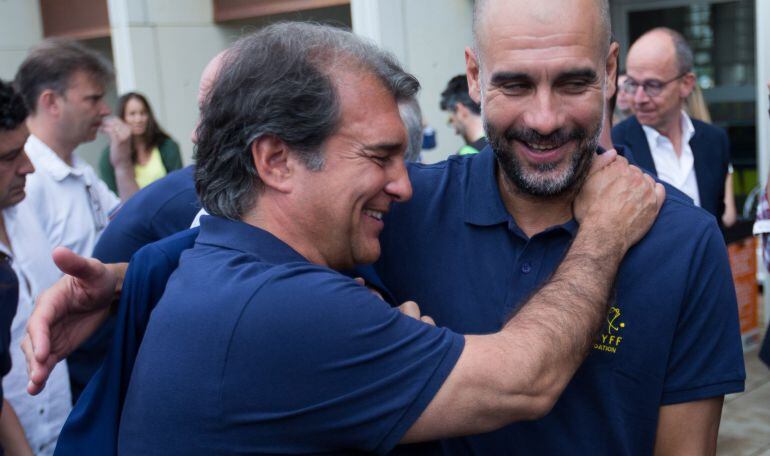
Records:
x=691, y=155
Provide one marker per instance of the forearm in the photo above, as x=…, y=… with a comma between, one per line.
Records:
x=560, y=321
x=125, y=181
x=12, y=437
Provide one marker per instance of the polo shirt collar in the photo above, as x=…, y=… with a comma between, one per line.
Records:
x=483, y=204
x=221, y=232
x=44, y=157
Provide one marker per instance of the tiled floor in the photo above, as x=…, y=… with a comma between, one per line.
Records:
x=745, y=428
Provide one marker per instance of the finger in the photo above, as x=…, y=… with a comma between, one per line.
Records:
x=411, y=309
x=29, y=356
x=38, y=331
x=660, y=194
x=602, y=160
x=360, y=281
x=77, y=266
x=428, y=320
x=39, y=376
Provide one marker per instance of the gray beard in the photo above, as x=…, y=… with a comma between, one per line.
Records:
x=535, y=182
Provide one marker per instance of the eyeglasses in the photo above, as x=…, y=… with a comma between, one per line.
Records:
x=652, y=87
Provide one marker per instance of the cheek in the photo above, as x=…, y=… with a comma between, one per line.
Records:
x=501, y=111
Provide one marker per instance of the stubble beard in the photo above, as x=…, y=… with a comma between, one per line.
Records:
x=536, y=180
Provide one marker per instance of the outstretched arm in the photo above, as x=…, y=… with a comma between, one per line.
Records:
x=69, y=312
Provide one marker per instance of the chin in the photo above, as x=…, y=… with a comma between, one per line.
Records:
x=367, y=257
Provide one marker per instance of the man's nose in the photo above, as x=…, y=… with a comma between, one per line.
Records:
x=104, y=109
x=640, y=96
x=26, y=166
x=399, y=186
x=543, y=115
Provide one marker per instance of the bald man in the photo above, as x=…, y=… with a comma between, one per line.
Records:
x=500, y=222
x=691, y=155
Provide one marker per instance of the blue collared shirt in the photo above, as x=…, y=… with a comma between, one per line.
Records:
x=253, y=349
x=671, y=336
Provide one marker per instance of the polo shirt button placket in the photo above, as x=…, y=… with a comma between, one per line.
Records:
x=526, y=268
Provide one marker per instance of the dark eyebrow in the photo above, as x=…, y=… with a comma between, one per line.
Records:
x=390, y=148
x=503, y=77
x=581, y=73
x=11, y=153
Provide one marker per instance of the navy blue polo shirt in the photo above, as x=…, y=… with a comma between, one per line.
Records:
x=165, y=207
x=671, y=335
x=252, y=349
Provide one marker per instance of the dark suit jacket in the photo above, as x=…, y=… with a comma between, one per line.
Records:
x=710, y=148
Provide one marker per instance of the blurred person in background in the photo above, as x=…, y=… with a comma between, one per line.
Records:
x=697, y=108
x=26, y=270
x=63, y=85
x=691, y=155
x=624, y=106
x=14, y=167
x=153, y=153
x=464, y=115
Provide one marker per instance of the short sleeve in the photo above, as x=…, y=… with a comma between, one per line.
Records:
x=346, y=370
x=706, y=358
x=108, y=199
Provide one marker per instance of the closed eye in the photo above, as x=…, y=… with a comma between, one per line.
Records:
x=10, y=156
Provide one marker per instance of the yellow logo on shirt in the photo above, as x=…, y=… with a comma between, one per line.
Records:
x=610, y=338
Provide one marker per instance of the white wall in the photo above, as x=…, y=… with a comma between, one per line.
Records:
x=429, y=38
x=20, y=28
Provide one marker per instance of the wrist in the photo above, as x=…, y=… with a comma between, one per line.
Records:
x=601, y=243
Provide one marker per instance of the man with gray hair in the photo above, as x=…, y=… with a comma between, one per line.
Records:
x=504, y=239
x=691, y=155
x=258, y=344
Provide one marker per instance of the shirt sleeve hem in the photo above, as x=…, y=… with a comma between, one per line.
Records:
x=426, y=395
x=703, y=392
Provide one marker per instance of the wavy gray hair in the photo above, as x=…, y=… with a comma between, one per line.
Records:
x=278, y=81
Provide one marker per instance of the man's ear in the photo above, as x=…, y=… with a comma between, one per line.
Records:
x=612, y=70
x=472, y=73
x=48, y=101
x=273, y=163
x=461, y=110
x=687, y=85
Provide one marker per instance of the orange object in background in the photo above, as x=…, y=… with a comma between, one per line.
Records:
x=743, y=262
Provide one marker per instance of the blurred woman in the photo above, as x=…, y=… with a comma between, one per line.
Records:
x=153, y=153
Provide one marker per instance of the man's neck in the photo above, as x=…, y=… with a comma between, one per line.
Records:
x=47, y=132
x=673, y=131
x=271, y=214
x=533, y=214
x=474, y=132
x=4, y=233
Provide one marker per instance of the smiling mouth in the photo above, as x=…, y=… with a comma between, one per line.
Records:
x=542, y=147
x=377, y=215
